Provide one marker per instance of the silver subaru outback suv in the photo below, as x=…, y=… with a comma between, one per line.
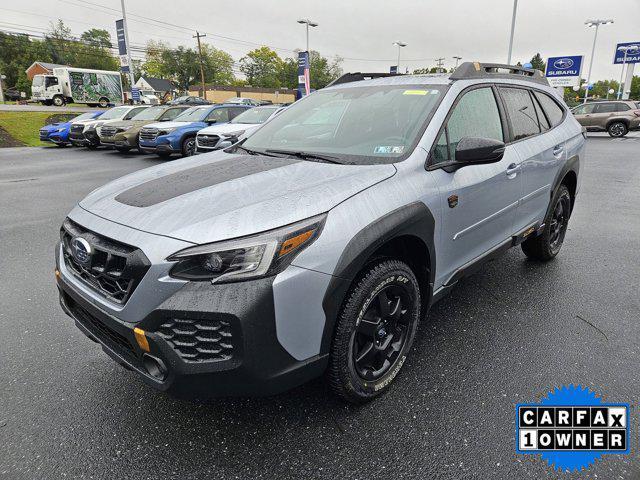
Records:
x=316, y=245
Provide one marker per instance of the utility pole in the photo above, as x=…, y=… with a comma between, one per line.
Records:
x=132, y=80
x=440, y=64
x=1, y=91
x=198, y=35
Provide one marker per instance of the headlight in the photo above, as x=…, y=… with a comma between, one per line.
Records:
x=233, y=134
x=166, y=131
x=248, y=257
x=61, y=130
x=124, y=129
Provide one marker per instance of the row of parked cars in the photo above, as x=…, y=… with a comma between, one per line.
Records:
x=162, y=129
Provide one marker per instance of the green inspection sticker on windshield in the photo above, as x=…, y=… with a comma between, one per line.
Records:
x=415, y=92
x=389, y=149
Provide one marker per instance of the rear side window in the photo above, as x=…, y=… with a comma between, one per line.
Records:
x=475, y=115
x=521, y=112
x=542, y=119
x=622, y=107
x=605, y=108
x=551, y=108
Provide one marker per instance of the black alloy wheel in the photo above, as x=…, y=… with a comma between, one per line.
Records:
x=382, y=333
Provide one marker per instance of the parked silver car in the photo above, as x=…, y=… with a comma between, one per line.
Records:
x=316, y=244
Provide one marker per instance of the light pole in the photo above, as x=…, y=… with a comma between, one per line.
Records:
x=457, y=59
x=399, y=44
x=593, y=23
x=513, y=29
x=624, y=60
x=309, y=23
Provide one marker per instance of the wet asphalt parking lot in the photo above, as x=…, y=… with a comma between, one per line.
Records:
x=508, y=334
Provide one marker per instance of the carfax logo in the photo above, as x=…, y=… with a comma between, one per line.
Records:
x=572, y=427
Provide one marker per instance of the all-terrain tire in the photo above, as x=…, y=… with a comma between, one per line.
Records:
x=546, y=246
x=380, y=278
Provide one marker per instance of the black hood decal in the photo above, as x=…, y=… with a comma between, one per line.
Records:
x=195, y=178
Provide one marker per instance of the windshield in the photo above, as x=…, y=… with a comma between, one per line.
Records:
x=193, y=114
x=151, y=113
x=255, y=115
x=362, y=125
x=38, y=80
x=114, y=113
x=84, y=116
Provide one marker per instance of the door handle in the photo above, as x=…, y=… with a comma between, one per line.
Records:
x=512, y=169
x=557, y=151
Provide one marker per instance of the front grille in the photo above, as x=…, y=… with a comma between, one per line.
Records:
x=209, y=141
x=77, y=129
x=113, y=270
x=99, y=329
x=44, y=134
x=148, y=134
x=108, y=131
x=194, y=340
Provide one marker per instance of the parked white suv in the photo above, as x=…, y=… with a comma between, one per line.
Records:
x=224, y=135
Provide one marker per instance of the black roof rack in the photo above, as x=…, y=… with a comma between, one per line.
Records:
x=358, y=76
x=471, y=70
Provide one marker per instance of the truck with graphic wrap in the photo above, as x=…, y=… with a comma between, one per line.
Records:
x=78, y=85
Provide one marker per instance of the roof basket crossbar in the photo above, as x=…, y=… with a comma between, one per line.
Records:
x=358, y=76
x=474, y=70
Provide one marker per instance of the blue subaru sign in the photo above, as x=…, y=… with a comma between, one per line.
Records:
x=633, y=53
x=564, y=71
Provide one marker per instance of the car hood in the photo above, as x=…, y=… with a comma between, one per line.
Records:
x=218, y=196
x=127, y=123
x=226, y=128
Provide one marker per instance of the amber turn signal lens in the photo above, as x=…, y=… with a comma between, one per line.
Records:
x=294, y=242
x=141, y=339
x=57, y=272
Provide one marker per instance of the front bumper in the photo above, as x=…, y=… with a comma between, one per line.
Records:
x=78, y=139
x=241, y=354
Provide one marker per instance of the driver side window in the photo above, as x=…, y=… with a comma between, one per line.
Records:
x=475, y=115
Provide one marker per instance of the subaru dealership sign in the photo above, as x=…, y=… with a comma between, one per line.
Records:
x=633, y=52
x=564, y=71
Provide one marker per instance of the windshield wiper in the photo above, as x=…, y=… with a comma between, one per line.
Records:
x=307, y=156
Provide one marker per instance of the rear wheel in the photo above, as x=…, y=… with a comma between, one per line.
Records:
x=374, y=331
x=188, y=146
x=547, y=245
x=617, y=129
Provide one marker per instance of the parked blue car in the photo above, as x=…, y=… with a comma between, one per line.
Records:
x=179, y=135
x=58, y=133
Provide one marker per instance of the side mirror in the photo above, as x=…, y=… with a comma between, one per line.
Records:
x=479, y=150
x=225, y=144
x=211, y=122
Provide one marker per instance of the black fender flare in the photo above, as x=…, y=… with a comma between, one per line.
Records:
x=573, y=165
x=414, y=219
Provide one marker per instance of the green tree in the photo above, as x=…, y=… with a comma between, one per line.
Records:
x=154, y=65
x=322, y=71
x=262, y=68
x=537, y=62
x=426, y=70
x=218, y=66
x=97, y=37
x=183, y=64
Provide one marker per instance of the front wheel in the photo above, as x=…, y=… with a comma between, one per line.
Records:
x=546, y=246
x=58, y=101
x=617, y=129
x=103, y=102
x=188, y=146
x=374, y=331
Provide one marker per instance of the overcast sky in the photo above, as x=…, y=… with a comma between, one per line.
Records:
x=360, y=31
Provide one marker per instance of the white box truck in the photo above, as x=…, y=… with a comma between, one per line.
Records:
x=77, y=85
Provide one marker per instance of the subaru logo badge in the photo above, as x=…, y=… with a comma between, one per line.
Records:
x=81, y=250
x=563, y=63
